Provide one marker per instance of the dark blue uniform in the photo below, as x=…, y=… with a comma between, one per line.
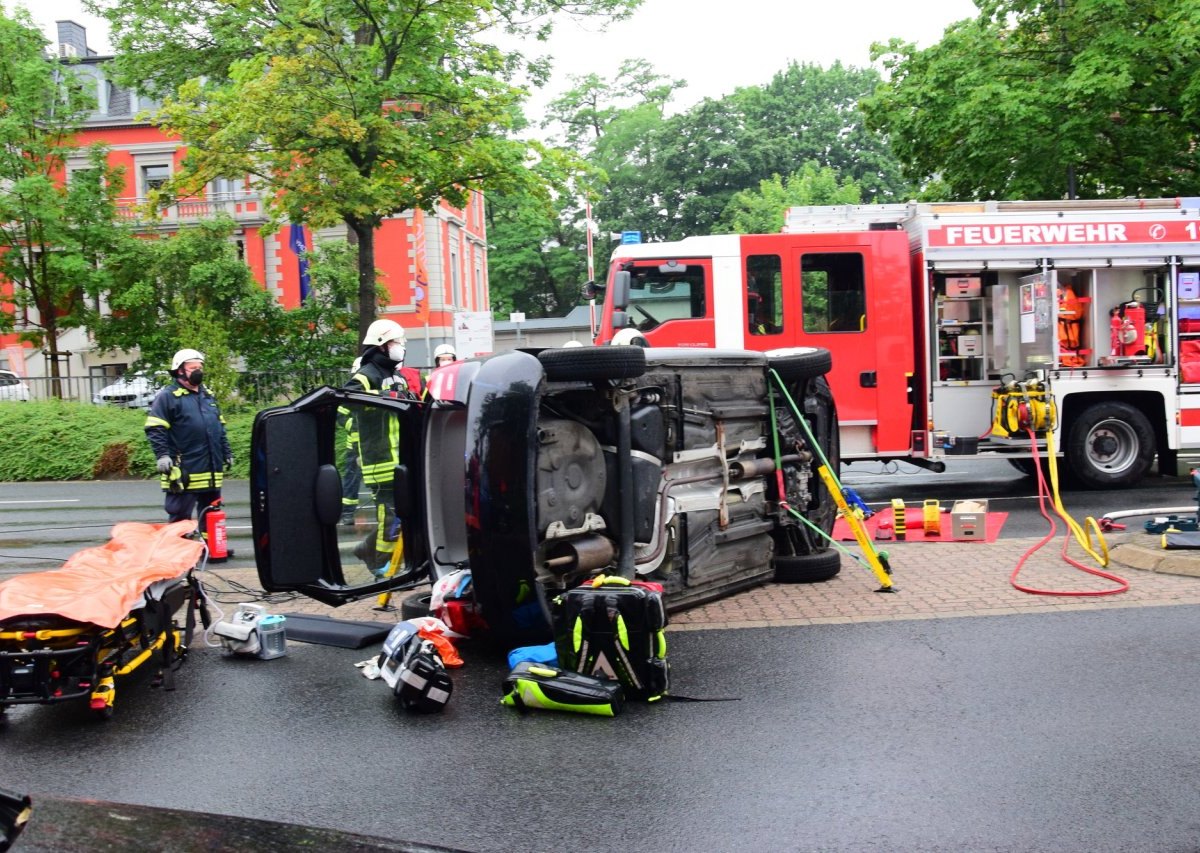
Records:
x=187, y=426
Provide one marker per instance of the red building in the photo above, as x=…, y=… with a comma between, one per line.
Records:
x=454, y=240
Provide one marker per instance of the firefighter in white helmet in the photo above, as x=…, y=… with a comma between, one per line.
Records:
x=377, y=434
x=187, y=433
x=444, y=354
x=629, y=337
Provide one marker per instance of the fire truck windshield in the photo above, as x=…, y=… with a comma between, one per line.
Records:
x=668, y=292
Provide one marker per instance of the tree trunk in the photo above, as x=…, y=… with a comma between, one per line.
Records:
x=364, y=237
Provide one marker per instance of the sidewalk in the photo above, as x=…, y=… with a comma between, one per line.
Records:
x=933, y=581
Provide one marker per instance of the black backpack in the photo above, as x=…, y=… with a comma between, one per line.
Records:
x=613, y=628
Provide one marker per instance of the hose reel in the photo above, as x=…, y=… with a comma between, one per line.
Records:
x=1018, y=407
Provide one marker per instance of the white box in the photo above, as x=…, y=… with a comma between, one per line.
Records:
x=1189, y=285
x=964, y=286
x=968, y=519
x=970, y=345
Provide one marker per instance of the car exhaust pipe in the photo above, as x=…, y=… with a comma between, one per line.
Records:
x=587, y=553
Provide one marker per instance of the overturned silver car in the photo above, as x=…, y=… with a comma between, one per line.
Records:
x=534, y=470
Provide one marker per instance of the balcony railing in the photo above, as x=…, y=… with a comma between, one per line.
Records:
x=241, y=207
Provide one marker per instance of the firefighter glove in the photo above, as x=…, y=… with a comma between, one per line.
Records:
x=164, y=464
x=229, y=462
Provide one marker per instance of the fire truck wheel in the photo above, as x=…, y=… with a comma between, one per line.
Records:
x=589, y=363
x=1110, y=446
x=416, y=605
x=798, y=363
x=808, y=568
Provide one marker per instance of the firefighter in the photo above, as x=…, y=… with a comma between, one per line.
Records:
x=381, y=372
x=187, y=433
x=444, y=354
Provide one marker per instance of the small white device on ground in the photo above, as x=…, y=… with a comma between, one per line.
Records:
x=251, y=631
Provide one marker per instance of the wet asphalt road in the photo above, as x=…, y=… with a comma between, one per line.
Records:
x=1072, y=731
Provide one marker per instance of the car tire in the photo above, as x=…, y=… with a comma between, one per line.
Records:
x=416, y=605
x=1110, y=445
x=593, y=363
x=795, y=364
x=808, y=568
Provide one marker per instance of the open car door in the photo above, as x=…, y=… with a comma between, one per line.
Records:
x=303, y=455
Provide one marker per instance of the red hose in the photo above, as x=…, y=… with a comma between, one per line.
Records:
x=1043, y=491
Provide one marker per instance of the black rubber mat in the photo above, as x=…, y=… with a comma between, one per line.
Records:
x=326, y=631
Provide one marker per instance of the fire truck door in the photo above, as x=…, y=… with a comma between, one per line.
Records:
x=838, y=299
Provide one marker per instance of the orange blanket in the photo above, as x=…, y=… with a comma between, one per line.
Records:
x=102, y=585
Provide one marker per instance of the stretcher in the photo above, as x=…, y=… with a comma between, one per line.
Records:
x=67, y=634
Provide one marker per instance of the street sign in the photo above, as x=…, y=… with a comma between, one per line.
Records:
x=516, y=317
x=628, y=237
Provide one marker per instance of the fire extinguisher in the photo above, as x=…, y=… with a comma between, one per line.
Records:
x=212, y=523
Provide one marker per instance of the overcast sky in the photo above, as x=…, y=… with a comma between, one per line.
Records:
x=715, y=45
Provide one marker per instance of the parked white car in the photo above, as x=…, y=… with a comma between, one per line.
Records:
x=134, y=391
x=12, y=388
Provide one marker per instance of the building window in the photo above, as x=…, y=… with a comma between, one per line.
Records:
x=455, y=284
x=154, y=176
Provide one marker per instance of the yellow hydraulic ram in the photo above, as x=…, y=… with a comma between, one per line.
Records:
x=875, y=561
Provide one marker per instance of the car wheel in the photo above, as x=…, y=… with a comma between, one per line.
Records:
x=416, y=605
x=808, y=568
x=798, y=363
x=592, y=363
x=1110, y=446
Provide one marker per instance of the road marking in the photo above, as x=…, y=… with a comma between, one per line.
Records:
x=56, y=501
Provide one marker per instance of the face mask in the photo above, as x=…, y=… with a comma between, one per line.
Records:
x=196, y=376
x=395, y=352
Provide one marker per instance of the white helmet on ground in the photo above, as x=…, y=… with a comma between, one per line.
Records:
x=384, y=331
x=444, y=349
x=629, y=336
x=183, y=356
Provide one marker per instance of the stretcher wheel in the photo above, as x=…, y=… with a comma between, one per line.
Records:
x=104, y=713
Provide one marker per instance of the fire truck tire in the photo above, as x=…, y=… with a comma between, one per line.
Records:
x=798, y=363
x=415, y=605
x=590, y=363
x=808, y=568
x=1110, y=446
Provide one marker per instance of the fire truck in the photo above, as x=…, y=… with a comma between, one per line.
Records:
x=989, y=329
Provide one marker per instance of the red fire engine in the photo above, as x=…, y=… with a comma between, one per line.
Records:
x=967, y=329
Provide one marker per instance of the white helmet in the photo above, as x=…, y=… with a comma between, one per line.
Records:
x=444, y=349
x=185, y=355
x=629, y=336
x=383, y=331
x=572, y=344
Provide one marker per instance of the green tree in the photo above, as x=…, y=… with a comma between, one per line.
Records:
x=349, y=110
x=762, y=211
x=538, y=257
x=174, y=291
x=1048, y=100
x=54, y=228
x=322, y=333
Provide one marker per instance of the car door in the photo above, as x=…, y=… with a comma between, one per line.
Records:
x=300, y=458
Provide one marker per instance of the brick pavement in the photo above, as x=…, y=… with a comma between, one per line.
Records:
x=934, y=580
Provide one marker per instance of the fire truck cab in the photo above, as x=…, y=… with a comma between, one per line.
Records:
x=958, y=329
